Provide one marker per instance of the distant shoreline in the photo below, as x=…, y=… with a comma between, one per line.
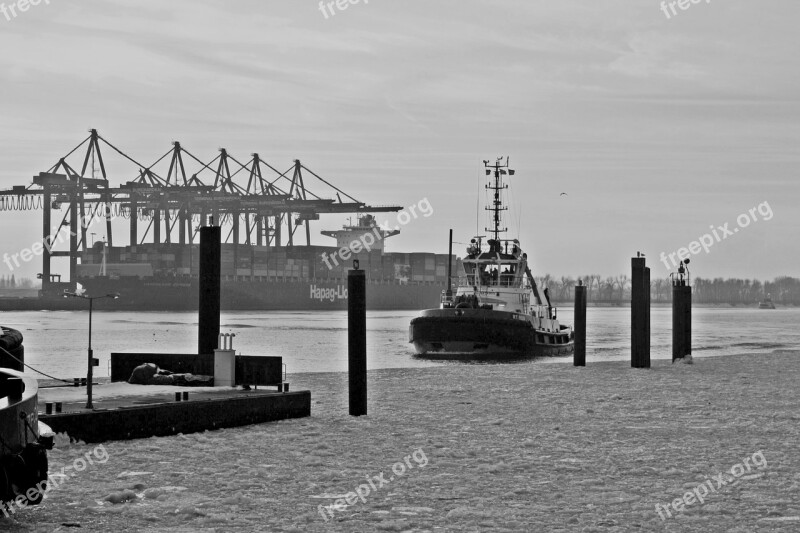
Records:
x=669, y=304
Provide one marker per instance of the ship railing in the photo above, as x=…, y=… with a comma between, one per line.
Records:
x=448, y=299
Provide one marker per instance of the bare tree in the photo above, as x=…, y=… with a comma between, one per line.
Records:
x=622, y=283
x=609, y=285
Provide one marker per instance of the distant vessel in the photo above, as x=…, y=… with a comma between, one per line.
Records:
x=309, y=278
x=497, y=308
x=766, y=303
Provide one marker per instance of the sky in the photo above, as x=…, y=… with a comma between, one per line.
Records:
x=660, y=127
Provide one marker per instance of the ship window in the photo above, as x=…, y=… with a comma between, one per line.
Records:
x=469, y=270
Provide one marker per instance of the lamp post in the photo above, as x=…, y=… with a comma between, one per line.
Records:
x=90, y=370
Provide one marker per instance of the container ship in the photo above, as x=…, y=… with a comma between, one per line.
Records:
x=260, y=209
x=165, y=276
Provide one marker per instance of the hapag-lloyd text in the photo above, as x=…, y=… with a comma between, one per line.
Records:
x=327, y=293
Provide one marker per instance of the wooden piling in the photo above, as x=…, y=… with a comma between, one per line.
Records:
x=640, y=313
x=579, y=325
x=357, y=341
x=209, y=301
x=681, y=319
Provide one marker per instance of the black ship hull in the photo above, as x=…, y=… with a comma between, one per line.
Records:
x=177, y=294
x=484, y=332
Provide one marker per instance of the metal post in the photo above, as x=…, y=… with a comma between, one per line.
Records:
x=640, y=313
x=48, y=239
x=259, y=229
x=357, y=340
x=681, y=316
x=278, y=229
x=157, y=225
x=90, y=370
x=167, y=229
x=209, y=300
x=235, y=215
x=182, y=226
x=134, y=221
x=579, y=323
x=450, y=266
x=73, y=242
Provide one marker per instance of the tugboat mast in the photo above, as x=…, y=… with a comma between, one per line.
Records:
x=499, y=169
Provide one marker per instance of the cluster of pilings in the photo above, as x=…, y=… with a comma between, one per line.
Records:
x=640, y=315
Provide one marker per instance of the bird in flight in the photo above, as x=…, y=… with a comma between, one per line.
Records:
x=564, y=194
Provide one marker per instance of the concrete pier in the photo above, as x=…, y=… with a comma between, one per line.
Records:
x=124, y=411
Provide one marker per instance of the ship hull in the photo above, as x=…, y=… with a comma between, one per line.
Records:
x=176, y=294
x=484, y=332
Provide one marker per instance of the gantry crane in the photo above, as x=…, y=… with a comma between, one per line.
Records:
x=253, y=213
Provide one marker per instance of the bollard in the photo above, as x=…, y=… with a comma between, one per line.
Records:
x=59, y=407
x=579, y=323
x=76, y=382
x=681, y=314
x=209, y=299
x=48, y=408
x=185, y=396
x=225, y=362
x=15, y=388
x=357, y=340
x=640, y=313
x=177, y=396
x=285, y=387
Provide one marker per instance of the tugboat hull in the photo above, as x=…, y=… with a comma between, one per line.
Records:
x=25, y=440
x=485, y=332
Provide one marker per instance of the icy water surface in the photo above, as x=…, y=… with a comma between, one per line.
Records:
x=56, y=342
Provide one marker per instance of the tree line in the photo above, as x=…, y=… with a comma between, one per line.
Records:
x=617, y=289
x=11, y=282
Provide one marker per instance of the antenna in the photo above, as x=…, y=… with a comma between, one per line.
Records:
x=499, y=169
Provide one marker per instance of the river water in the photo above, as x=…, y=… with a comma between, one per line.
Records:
x=56, y=342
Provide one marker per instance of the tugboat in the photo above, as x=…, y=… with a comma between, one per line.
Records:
x=24, y=440
x=497, y=309
x=766, y=303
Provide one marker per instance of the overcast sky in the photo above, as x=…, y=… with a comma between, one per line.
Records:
x=656, y=128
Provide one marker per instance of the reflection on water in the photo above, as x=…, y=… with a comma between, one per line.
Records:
x=56, y=342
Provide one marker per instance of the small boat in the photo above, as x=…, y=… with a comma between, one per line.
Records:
x=497, y=308
x=24, y=440
x=766, y=303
